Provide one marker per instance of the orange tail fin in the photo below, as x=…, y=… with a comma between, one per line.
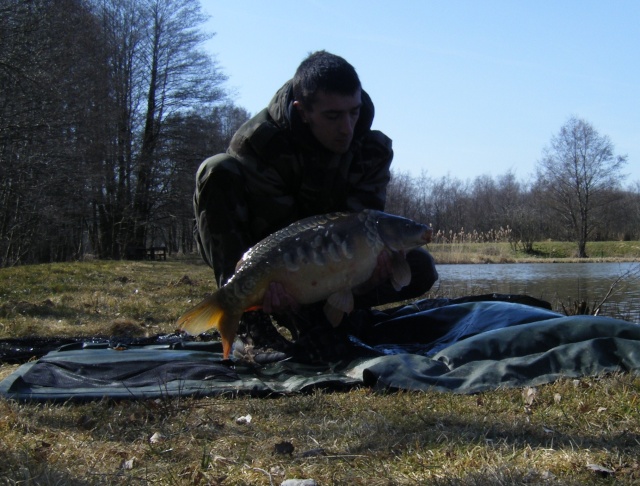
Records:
x=208, y=314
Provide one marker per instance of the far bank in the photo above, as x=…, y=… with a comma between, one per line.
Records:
x=544, y=251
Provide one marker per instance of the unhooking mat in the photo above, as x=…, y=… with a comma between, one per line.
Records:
x=456, y=346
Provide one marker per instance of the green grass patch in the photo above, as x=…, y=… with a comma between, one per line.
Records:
x=548, y=251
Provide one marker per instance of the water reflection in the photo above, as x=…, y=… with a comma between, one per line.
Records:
x=555, y=282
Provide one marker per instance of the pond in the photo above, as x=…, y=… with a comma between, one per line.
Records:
x=557, y=283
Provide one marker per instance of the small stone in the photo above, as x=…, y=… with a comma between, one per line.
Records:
x=156, y=438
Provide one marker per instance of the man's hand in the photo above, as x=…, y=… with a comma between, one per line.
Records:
x=276, y=299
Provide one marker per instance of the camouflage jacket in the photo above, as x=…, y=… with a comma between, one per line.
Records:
x=289, y=175
x=275, y=172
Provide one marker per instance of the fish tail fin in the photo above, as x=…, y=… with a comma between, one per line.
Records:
x=210, y=313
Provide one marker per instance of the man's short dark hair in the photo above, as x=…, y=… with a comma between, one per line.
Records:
x=322, y=70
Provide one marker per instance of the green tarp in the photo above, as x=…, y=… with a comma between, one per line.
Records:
x=463, y=347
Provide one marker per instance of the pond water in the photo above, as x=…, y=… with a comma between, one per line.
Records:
x=554, y=282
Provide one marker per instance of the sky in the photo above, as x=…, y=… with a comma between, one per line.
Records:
x=464, y=88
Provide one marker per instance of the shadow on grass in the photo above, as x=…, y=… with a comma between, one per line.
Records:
x=45, y=309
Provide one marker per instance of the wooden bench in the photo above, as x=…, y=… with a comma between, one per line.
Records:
x=156, y=253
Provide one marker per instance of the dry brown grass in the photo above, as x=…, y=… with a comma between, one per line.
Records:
x=358, y=437
x=472, y=249
x=570, y=432
x=85, y=299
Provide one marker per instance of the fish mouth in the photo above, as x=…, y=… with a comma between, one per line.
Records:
x=426, y=236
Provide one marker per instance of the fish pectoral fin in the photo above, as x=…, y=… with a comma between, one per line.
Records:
x=400, y=271
x=334, y=315
x=337, y=305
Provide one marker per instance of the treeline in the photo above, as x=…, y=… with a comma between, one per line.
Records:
x=107, y=107
x=507, y=209
x=576, y=195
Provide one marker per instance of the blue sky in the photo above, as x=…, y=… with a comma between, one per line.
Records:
x=464, y=88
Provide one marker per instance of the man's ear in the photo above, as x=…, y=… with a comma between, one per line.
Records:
x=303, y=115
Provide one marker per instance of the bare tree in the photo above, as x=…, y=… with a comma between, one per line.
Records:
x=49, y=108
x=621, y=219
x=449, y=200
x=580, y=172
x=484, y=213
x=401, y=195
x=227, y=118
x=525, y=217
x=88, y=89
x=159, y=71
x=187, y=140
x=178, y=75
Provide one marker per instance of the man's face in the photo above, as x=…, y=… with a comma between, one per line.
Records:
x=332, y=118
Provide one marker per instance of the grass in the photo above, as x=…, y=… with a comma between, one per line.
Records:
x=544, y=251
x=583, y=431
x=336, y=438
x=96, y=297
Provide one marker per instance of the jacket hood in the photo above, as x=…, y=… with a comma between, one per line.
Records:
x=284, y=114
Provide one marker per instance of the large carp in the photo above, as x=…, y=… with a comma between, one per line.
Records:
x=317, y=258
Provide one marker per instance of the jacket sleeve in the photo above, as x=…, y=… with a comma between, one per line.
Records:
x=222, y=229
x=370, y=173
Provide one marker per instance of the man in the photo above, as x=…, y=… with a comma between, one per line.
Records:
x=311, y=151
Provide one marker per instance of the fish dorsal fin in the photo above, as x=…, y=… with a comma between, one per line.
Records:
x=337, y=305
x=400, y=271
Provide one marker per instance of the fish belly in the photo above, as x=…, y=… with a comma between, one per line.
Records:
x=314, y=283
